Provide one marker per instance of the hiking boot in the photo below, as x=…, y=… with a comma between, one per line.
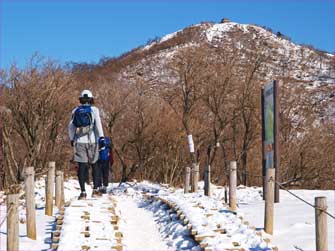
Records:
x=103, y=189
x=82, y=196
x=96, y=193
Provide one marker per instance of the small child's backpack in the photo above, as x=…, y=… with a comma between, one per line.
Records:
x=104, y=151
x=83, y=120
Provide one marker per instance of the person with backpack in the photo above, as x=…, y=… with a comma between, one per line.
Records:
x=105, y=161
x=85, y=129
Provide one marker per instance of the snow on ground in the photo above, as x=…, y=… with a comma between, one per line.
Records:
x=219, y=30
x=163, y=39
x=210, y=217
x=44, y=228
x=145, y=225
x=91, y=216
x=133, y=218
x=44, y=224
x=150, y=224
x=166, y=232
x=294, y=221
x=175, y=233
x=169, y=36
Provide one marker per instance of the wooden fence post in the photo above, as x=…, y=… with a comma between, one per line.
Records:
x=187, y=179
x=207, y=180
x=58, y=189
x=195, y=177
x=269, y=200
x=50, y=189
x=30, y=202
x=321, y=224
x=232, y=185
x=13, y=219
x=62, y=188
x=192, y=177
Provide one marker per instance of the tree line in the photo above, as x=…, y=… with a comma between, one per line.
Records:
x=150, y=107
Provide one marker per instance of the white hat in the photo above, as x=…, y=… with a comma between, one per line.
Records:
x=86, y=94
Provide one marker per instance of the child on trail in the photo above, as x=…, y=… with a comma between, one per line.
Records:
x=106, y=161
x=85, y=129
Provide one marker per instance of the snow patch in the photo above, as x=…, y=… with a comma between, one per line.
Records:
x=219, y=30
x=169, y=36
x=163, y=39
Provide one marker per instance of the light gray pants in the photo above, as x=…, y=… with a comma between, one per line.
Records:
x=86, y=153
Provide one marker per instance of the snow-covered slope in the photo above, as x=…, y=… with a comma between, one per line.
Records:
x=286, y=59
x=157, y=226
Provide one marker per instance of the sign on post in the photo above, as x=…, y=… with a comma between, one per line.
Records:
x=270, y=130
x=269, y=124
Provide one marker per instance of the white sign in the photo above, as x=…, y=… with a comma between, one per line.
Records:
x=190, y=143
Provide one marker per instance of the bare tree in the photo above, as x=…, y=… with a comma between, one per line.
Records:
x=188, y=68
x=35, y=100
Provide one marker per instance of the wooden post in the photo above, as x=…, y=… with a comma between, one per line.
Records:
x=321, y=224
x=50, y=189
x=187, y=179
x=13, y=219
x=194, y=187
x=232, y=185
x=207, y=174
x=269, y=200
x=46, y=186
x=30, y=202
x=195, y=177
x=58, y=190
x=191, y=179
x=207, y=180
x=62, y=188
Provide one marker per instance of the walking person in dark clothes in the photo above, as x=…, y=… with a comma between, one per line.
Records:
x=85, y=129
x=106, y=161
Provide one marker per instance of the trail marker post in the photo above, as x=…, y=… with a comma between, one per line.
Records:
x=187, y=180
x=62, y=188
x=50, y=189
x=30, y=202
x=13, y=219
x=232, y=185
x=269, y=200
x=58, y=190
x=207, y=174
x=321, y=224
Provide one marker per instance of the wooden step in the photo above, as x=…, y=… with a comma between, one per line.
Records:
x=202, y=237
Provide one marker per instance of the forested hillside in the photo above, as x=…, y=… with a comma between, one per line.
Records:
x=204, y=80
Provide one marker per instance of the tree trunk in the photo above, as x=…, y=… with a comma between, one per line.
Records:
x=244, y=167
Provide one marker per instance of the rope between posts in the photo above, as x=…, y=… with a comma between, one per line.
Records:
x=321, y=209
x=9, y=210
x=282, y=187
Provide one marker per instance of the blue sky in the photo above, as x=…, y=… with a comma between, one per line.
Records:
x=86, y=30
